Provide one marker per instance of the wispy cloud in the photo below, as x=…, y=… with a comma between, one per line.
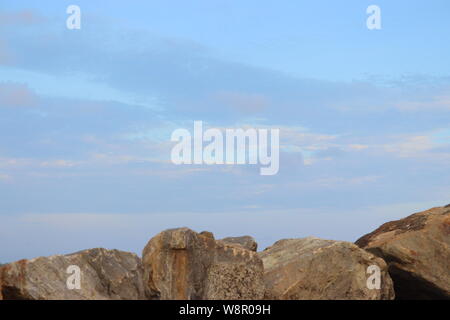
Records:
x=22, y=17
x=86, y=118
x=17, y=95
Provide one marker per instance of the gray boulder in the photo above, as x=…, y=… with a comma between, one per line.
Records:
x=316, y=269
x=105, y=274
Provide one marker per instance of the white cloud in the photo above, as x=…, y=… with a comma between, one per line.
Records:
x=357, y=146
x=243, y=102
x=441, y=102
x=430, y=146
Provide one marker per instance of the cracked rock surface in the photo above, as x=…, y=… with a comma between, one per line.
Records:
x=313, y=268
x=417, y=250
x=183, y=264
x=104, y=274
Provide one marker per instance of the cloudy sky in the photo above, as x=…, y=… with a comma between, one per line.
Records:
x=86, y=118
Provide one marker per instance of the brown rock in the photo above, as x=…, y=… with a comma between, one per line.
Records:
x=417, y=250
x=317, y=269
x=183, y=264
x=105, y=274
x=245, y=241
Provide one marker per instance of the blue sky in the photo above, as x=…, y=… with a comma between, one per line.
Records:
x=86, y=117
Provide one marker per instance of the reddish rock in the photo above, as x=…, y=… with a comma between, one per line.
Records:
x=183, y=264
x=417, y=250
x=246, y=242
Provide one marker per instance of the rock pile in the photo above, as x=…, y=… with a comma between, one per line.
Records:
x=183, y=264
x=404, y=259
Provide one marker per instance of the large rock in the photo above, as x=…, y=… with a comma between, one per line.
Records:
x=245, y=241
x=105, y=274
x=417, y=250
x=315, y=269
x=183, y=264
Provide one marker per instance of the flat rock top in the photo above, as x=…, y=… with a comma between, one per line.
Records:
x=286, y=250
x=247, y=242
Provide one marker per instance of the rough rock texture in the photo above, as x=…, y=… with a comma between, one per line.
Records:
x=183, y=264
x=105, y=274
x=245, y=241
x=417, y=250
x=315, y=269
